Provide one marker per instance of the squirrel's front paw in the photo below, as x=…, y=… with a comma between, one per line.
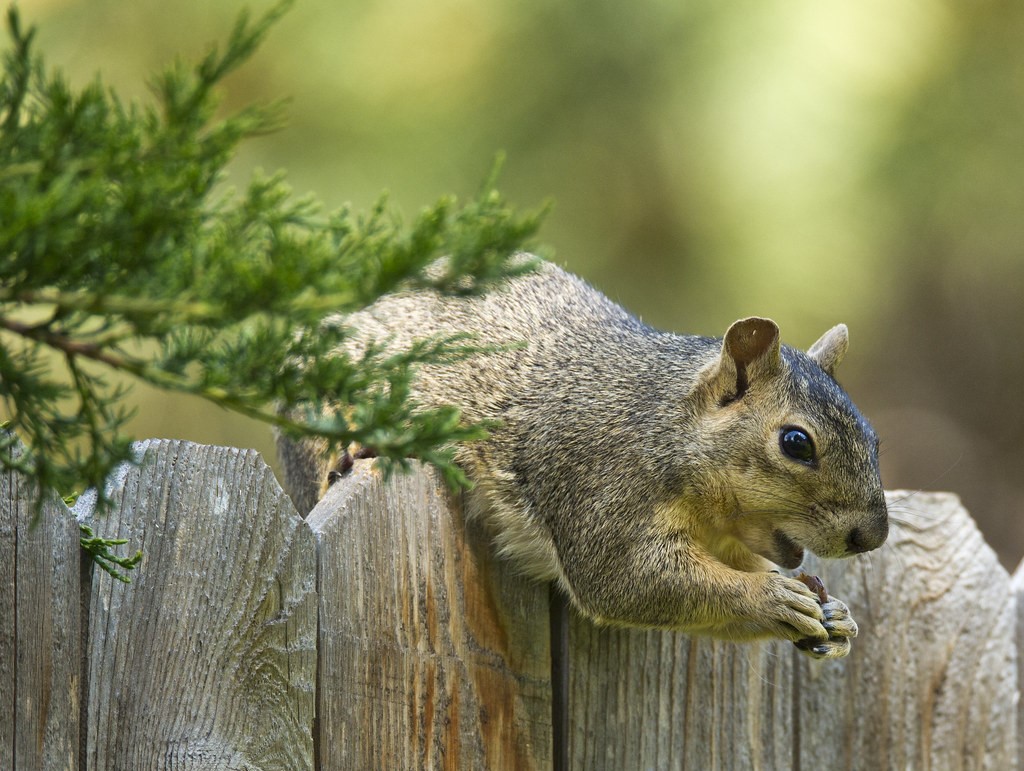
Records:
x=841, y=629
x=792, y=611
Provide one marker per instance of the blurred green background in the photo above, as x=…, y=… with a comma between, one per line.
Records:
x=813, y=162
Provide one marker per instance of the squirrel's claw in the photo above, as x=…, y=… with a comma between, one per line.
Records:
x=832, y=648
x=841, y=629
x=838, y=621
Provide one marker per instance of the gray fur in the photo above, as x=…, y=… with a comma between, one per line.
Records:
x=642, y=470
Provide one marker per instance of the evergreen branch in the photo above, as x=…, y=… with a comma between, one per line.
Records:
x=100, y=550
x=107, y=304
x=234, y=400
x=41, y=333
x=19, y=69
x=182, y=311
x=116, y=234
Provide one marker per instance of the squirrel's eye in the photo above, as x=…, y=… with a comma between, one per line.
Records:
x=797, y=444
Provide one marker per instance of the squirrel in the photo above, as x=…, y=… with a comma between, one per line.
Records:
x=658, y=479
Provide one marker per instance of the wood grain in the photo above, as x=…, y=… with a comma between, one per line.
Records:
x=660, y=700
x=432, y=654
x=931, y=680
x=1017, y=586
x=40, y=630
x=208, y=659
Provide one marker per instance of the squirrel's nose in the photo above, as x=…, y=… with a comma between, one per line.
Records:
x=855, y=541
x=862, y=539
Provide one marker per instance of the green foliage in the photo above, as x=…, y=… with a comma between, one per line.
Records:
x=120, y=251
x=99, y=549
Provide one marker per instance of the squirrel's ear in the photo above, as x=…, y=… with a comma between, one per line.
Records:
x=831, y=348
x=749, y=340
x=750, y=345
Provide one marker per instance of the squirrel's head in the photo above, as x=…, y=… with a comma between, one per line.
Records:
x=792, y=463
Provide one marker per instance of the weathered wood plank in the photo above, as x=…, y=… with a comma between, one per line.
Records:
x=432, y=654
x=1017, y=586
x=661, y=700
x=931, y=681
x=40, y=630
x=208, y=659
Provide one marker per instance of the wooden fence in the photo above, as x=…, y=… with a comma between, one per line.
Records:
x=380, y=633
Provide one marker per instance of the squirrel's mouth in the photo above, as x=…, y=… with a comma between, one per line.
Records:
x=788, y=554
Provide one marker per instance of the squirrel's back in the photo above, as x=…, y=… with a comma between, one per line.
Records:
x=550, y=326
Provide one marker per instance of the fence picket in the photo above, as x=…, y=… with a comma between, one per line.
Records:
x=432, y=655
x=930, y=681
x=40, y=629
x=207, y=660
